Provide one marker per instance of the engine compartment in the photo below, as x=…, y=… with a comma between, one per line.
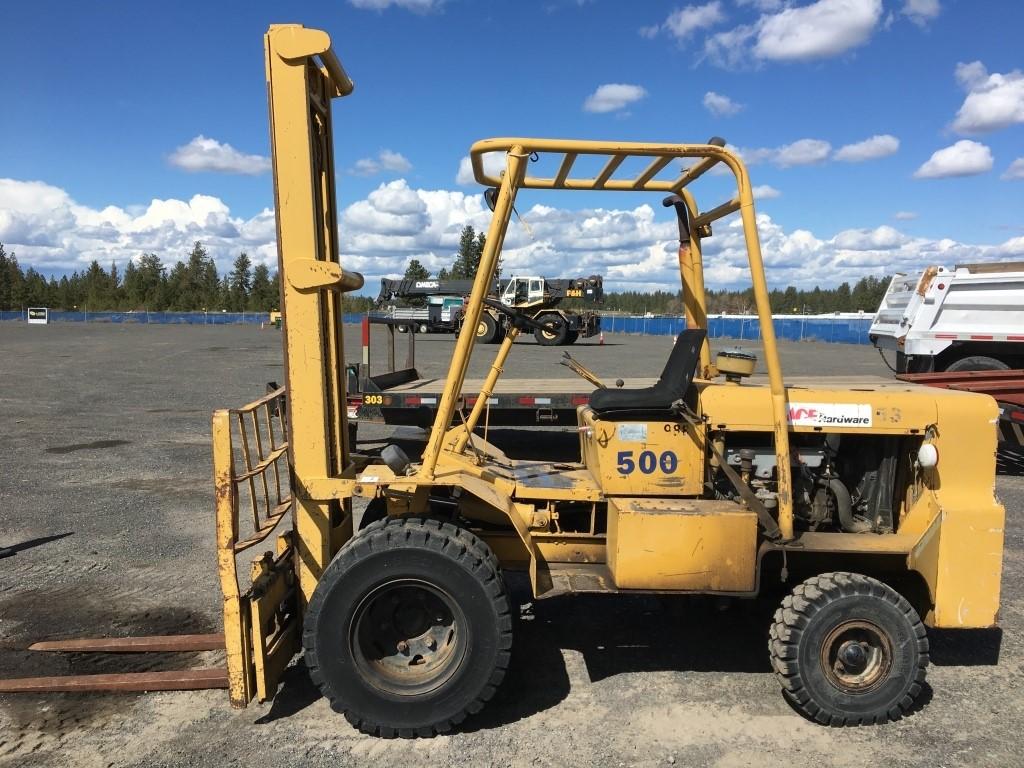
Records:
x=841, y=482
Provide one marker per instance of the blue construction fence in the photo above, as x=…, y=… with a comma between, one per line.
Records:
x=835, y=329
x=157, y=318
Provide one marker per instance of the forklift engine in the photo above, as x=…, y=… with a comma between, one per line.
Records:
x=840, y=482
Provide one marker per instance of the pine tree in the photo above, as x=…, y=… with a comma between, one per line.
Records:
x=5, y=279
x=240, y=283
x=467, y=260
x=416, y=271
x=264, y=294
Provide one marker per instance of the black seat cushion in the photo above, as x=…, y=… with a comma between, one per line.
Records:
x=673, y=384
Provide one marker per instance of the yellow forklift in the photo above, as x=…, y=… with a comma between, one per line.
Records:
x=873, y=503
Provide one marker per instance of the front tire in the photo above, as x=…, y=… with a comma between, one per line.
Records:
x=848, y=650
x=409, y=630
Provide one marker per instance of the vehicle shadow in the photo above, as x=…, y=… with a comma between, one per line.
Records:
x=629, y=634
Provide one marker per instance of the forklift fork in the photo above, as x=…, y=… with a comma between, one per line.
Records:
x=250, y=457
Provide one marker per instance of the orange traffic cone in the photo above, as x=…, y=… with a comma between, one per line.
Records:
x=600, y=341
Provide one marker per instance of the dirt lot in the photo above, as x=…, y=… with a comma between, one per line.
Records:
x=105, y=500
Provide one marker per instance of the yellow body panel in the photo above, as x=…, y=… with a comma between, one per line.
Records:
x=682, y=544
x=892, y=410
x=642, y=458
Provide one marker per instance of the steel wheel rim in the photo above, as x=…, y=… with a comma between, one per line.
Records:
x=481, y=328
x=856, y=656
x=408, y=637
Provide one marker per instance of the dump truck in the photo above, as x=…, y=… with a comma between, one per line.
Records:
x=968, y=318
x=872, y=506
x=537, y=296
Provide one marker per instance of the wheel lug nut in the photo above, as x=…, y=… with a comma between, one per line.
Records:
x=431, y=643
x=403, y=647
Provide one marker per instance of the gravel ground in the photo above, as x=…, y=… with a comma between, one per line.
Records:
x=106, y=504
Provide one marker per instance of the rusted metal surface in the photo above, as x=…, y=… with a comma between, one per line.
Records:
x=141, y=644
x=175, y=680
x=1005, y=386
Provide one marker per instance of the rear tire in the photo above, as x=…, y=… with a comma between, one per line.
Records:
x=402, y=328
x=572, y=337
x=422, y=328
x=848, y=650
x=486, y=329
x=409, y=630
x=978, y=363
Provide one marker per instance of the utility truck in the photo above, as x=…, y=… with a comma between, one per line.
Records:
x=968, y=318
x=871, y=504
x=536, y=296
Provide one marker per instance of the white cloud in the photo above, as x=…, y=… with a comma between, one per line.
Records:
x=905, y=215
x=965, y=158
x=611, y=97
x=719, y=105
x=683, y=22
x=820, y=30
x=494, y=165
x=634, y=248
x=1015, y=172
x=761, y=5
x=921, y=11
x=49, y=230
x=882, y=238
x=869, y=149
x=801, y=152
x=765, y=192
x=729, y=49
x=993, y=100
x=386, y=160
x=203, y=154
x=418, y=6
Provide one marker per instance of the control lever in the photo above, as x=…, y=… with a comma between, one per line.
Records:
x=581, y=370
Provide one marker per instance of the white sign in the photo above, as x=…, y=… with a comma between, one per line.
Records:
x=830, y=415
x=38, y=315
x=426, y=283
x=632, y=433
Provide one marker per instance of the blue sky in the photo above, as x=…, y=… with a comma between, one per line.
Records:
x=839, y=106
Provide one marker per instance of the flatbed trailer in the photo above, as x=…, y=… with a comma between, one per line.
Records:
x=1006, y=387
x=402, y=396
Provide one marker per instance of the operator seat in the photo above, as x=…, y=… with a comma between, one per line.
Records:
x=672, y=385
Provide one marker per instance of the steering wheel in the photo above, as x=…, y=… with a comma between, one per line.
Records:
x=521, y=320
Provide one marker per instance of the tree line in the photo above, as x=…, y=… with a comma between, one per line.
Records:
x=864, y=295
x=195, y=285
x=148, y=284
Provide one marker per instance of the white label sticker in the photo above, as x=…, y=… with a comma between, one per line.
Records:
x=632, y=433
x=830, y=415
x=368, y=479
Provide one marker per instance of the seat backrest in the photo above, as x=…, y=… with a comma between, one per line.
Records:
x=682, y=362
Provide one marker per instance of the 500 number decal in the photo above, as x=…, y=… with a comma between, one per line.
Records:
x=647, y=462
